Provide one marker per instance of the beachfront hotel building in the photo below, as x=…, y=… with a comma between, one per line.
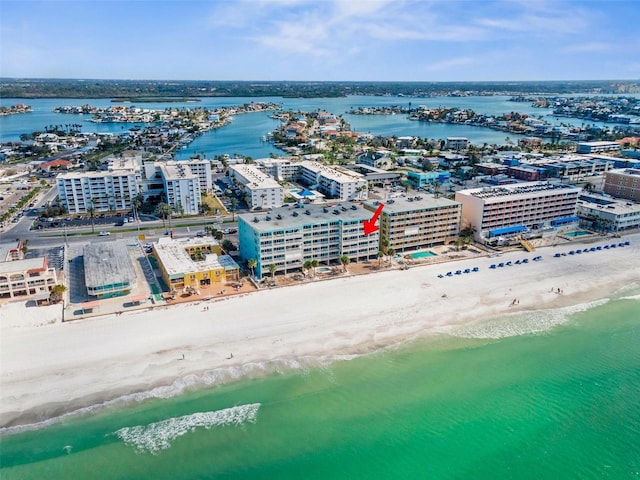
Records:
x=414, y=222
x=108, y=269
x=26, y=277
x=335, y=182
x=623, y=183
x=289, y=236
x=605, y=214
x=261, y=190
x=105, y=191
x=194, y=263
x=511, y=209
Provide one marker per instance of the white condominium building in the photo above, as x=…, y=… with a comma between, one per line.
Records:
x=513, y=208
x=261, y=190
x=335, y=182
x=181, y=187
x=287, y=237
x=279, y=168
x=201, y=168
x=597, y=147
x=111, y=190
x=608, y=214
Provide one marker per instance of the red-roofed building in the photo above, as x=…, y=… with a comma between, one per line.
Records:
x=58, y=164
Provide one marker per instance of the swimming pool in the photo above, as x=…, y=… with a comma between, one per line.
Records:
x=423, y=254
x=578, y=233
x=323, y=270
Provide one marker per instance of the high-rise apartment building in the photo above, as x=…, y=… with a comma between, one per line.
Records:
x=517, y=207
x=623, y=183
x=110, y=190
x=261, y=190
x=289, y=236
x=413, y=222
x=181, y=187
x=335, y=182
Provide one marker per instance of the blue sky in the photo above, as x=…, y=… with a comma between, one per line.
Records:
x=359, y=40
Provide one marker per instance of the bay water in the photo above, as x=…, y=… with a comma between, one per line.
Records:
x=244, y=135
x=546, y=394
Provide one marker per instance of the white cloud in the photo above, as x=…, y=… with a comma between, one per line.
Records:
x=452, y=64
x=537, y=18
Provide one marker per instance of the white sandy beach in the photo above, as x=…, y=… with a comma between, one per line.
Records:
x=49, y=368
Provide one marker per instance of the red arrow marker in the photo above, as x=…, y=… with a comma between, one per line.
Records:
x=370, y=225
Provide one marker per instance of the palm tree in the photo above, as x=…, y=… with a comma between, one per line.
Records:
x=164, y=211
x=136, y=203
x=272, y=269
x=56, y=293
x=307, y=265
x=314, y=265
x=391, y=252
x=345, y=260
x=251, y=263
x=227, y=245
x=384, y=243
x=380, y=255
x=91, y=210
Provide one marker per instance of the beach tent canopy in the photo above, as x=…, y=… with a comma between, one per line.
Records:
x=496, y=232
x=563, y=220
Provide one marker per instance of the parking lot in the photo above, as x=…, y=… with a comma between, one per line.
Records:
x=84, y=221
x=54, y=255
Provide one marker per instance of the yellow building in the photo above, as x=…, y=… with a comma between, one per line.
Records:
x=194, y=263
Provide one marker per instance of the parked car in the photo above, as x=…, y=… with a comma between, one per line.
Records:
x=104, y=234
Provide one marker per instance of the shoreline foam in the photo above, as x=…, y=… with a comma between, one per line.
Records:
x=94, y=362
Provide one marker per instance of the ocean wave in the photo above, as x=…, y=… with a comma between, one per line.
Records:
x=208, y=378
x=524, y=323
x=630, y=297
x=158, y=436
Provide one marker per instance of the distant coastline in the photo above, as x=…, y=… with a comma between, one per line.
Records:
x=135, y=90
x=155, y=100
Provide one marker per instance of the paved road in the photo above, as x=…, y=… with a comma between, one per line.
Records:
x=151, y=229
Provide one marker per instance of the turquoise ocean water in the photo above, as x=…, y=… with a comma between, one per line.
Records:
x=548, y=394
